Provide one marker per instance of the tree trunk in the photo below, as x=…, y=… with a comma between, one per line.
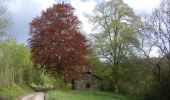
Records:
x=116, y=78
x=116, y=89
x=73, y=85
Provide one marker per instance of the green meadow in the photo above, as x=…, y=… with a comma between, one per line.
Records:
x=84, y=95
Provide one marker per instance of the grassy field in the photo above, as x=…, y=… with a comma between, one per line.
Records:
x=12, y=92
x=83, y=95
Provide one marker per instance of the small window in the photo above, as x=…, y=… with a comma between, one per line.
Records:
x=87, y=85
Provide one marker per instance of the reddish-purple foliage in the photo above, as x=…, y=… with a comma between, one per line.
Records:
x=56, y=43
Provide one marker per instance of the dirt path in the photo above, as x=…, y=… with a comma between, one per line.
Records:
x=33, y=96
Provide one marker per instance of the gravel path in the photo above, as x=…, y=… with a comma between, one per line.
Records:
x=33, y=96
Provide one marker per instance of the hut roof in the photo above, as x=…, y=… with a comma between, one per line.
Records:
x=88, y=72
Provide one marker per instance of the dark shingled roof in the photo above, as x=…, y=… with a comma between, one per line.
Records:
x=88, y=72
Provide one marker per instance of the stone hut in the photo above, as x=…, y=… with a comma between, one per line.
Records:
x=88, y=81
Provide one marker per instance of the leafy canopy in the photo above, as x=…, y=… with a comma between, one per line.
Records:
x=56, y=43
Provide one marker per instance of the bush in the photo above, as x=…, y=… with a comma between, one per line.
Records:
x=160, y=91
x=106, y=85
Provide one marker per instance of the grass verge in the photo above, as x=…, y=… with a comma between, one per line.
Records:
x=12, y=92
x=83, y=95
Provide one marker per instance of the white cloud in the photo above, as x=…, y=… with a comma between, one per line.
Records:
x=82, y=8
x=142, y=5
x=44, y=3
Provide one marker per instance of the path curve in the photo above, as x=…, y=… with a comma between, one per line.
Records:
x=33, y=96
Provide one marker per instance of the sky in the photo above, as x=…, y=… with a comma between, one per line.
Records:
x=23, y=11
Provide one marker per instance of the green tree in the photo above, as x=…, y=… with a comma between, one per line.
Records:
x=156, y=36
x=14, y=60
x=115, y=34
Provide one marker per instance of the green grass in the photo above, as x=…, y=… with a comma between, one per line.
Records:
x=12, y=92
x=83, y=95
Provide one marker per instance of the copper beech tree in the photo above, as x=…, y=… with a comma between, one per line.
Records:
x=56, y=42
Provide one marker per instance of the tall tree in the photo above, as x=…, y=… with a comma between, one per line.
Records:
x=157, y=36
x=115, y=34
x=56, y=42
x=4, y=19
x=159, y=33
